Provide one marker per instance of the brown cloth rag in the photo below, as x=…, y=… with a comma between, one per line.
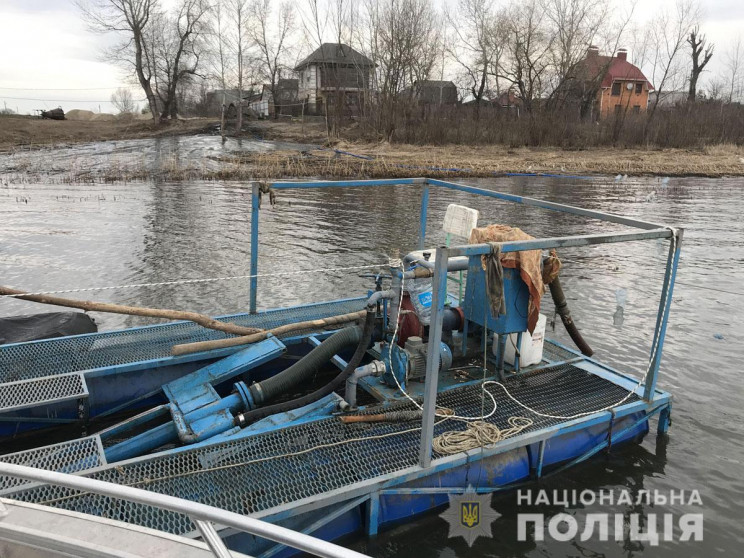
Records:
x=528, y=262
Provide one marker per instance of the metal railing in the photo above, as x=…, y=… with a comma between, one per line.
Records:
x=644, y=230
x=201, y=515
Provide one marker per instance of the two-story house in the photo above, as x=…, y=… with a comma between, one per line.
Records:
x=334, y=73
x=620, y=86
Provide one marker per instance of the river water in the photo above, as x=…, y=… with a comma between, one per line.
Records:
x=55, y=236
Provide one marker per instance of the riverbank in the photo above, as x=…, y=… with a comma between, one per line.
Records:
x=26, y=132
x=381, y=161
x=304, y=151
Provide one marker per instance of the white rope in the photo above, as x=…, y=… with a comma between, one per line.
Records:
x=478, y=434
x=641, y=381
x=194, y=281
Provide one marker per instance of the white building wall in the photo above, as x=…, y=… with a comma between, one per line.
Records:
x=308, y=87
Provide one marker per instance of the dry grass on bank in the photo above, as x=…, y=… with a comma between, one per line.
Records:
x=482, y=161
x=18, y=132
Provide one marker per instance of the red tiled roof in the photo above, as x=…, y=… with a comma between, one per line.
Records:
x=618, y=69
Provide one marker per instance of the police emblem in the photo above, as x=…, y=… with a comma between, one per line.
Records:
x=470, y=515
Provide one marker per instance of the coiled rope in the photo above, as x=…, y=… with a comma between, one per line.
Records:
x=477, y=435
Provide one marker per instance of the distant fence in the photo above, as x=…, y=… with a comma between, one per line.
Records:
x=685, y=125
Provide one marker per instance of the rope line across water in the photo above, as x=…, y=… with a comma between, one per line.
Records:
x=195, y=281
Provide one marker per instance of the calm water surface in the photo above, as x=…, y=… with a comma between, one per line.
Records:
x=65, y=237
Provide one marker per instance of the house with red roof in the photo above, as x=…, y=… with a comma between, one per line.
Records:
x=620, y=86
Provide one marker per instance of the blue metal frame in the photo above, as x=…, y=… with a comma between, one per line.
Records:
x=255, y=205
x=648, y=231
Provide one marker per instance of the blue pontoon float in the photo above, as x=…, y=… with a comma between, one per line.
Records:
x=247, y=428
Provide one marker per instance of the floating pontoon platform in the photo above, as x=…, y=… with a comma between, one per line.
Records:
x=304, y=468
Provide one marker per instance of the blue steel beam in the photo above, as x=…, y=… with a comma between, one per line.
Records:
x=662, y=317
x=560, y=242
x=255, y=200
x=422, y=217
x=610, y=217
x=345, y=183
x=439, y=294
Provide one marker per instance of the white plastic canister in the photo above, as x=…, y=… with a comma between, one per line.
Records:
x=531, y=349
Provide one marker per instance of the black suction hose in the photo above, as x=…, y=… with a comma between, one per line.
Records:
x=303, y=369
x=561, y=306
x=366, y=336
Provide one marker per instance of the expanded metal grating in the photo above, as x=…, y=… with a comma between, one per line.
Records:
x=302, y=461
x=65, y=457
x=29, y=393
x=86, y=352
x=553, y=352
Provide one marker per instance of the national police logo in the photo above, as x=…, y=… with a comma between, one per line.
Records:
x=470, y=515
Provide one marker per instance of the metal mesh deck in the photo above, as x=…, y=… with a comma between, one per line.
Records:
x=552, y=352
x=258, y=473
x=65, y=457
x=37, y=391
x=86, y=352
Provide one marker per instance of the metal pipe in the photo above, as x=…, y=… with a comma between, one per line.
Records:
x=396, y=288
x=662, y=317
x=439, y=295
x=374, y=368
x=422, y=216
x=213, y=540
x=542, y=204
x=377, y=296
x=560, y=242
x=142, y=443
x=255, y=201
x=192, y=509
x=345, y=183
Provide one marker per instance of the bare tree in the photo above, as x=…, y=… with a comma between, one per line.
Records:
x=334, y=18
x=179, y=50
x=529, y=51
x=218, y=49
x=270, y=32
x=699, y=46
x=404, y=44
x=123, y=101
x=668, y=32
x=132, y=20
x=476, y=48
x=734, y=69
x=576, y=25
x=238, y=13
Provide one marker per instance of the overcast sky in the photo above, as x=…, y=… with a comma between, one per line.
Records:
x=50, y=59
